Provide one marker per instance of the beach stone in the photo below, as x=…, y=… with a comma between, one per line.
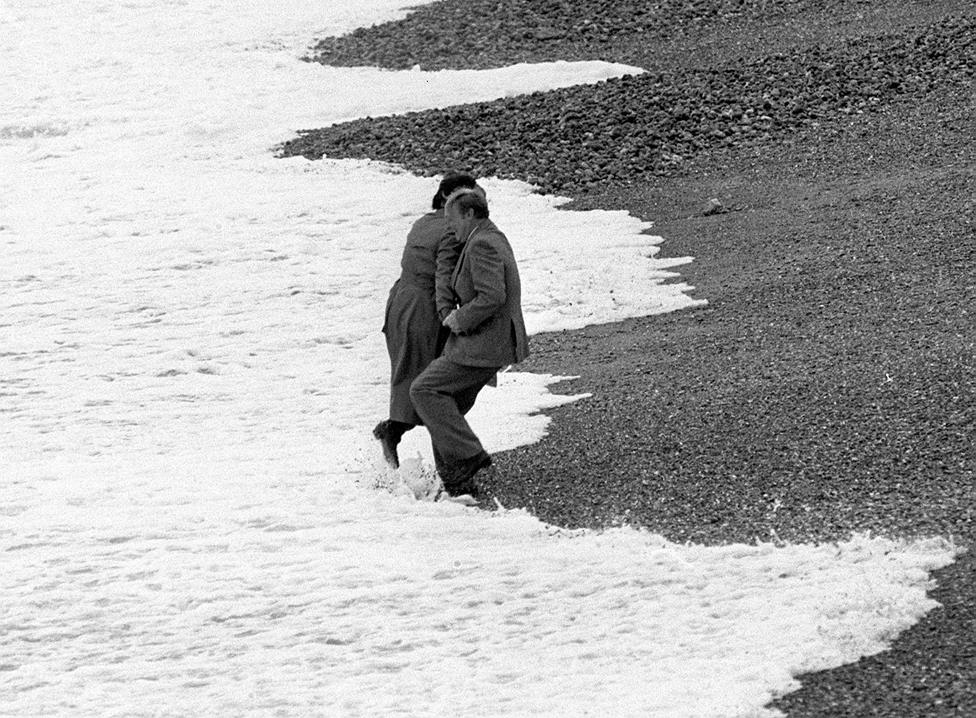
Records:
x=714, y=207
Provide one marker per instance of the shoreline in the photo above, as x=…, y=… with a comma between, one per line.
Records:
x=828, y=385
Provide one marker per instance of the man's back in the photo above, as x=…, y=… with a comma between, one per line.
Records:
x=489, y=291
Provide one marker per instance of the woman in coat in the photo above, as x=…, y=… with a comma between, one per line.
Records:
x=418, y=301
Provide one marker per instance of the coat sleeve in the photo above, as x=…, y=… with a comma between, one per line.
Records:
x=488, y=278
x=448, y=250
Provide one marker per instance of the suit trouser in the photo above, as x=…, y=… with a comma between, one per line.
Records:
x=443, y=393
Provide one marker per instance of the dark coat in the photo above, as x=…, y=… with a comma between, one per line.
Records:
x=488, y=291
x=417, y=302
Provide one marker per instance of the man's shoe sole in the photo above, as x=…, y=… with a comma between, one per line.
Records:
x=463, y=499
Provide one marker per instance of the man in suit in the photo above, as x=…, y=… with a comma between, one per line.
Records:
x=487, y=334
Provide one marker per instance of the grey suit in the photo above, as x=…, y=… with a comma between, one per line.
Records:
x=491, y=334
x=489, y=295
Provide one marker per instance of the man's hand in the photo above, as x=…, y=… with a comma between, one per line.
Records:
x=451, y=322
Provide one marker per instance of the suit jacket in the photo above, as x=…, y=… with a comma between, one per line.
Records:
x=489, y=296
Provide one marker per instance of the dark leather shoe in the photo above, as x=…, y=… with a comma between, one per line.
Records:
x=459, y=477
x=388, y=441
x=472, y=466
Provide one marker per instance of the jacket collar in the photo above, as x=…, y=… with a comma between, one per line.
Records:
x=481, y=224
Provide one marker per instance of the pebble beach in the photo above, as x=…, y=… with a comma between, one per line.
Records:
x=816, y=160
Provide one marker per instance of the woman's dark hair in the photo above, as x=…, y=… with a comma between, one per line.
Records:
x=451, y=182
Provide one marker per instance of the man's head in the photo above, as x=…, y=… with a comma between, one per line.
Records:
x=452, y=181
x=464, y=209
